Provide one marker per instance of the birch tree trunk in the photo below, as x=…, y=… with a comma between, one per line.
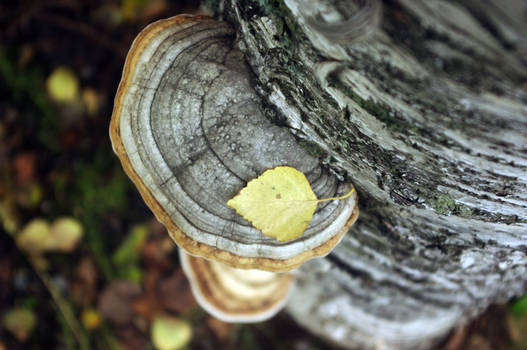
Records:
x=427, y=114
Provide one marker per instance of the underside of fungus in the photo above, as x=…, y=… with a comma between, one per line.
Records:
x=236, y=295
x=190, y=132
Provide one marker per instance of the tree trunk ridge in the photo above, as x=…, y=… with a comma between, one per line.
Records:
x=428, y=117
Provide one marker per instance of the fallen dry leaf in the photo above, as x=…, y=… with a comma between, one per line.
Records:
x=24, y=165
x=478, y=342
x=222, y=330
x=147, y=306
x=132, y=338
x=116, y=299
x=175, y=294
x=83, y=285
x=156, y=254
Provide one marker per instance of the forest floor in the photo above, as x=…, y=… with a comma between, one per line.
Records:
x=83, y=263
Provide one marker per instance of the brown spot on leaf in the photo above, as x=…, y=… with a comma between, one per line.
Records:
x=278, y=196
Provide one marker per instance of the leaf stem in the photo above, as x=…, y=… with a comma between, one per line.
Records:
x=335, y=198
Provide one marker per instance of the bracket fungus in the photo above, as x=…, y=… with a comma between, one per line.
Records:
x=190, y=132
x=236, y=295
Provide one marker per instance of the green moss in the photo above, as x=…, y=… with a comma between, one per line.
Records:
x=280, y=10
x=519, y=307
x=312, y=148
x=445, y=205
x=288, y=33
x=100, y=188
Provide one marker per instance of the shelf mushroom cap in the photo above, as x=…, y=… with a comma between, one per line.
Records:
x=190, y=132
x=236, y=295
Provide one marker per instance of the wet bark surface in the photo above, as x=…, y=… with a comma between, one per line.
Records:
x=427, y=116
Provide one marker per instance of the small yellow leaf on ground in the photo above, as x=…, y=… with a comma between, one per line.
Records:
x=170, y=333
x=63, y=85
x=20, y=322
x=280, y=203
x=39, y=236
x=91, y=319
x=34, y=237
x=66, y=234
x=91, y=101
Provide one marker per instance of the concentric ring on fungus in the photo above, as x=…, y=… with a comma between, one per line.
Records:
x=190, y=132
x=235, y=295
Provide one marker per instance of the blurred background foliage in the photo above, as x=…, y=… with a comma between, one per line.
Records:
x=83, y=264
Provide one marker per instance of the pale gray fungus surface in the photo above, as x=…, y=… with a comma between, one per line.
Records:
x=193, y=131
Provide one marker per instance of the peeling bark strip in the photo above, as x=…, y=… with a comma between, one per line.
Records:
x=428, y=116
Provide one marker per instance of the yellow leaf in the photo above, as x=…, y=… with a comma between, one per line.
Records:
x=63, y=85
x=170, y=333
x=91, y=319
x=34, y=237
x=280, y=203
x=20, y=322
x=65, y=235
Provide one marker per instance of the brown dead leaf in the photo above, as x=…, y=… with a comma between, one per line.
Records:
x=27, y=52
x=116, y=299
x=153, y=9
x=132, y=338
x=222, y=330
x=156, y=229
x=156, y=254
x=175, y=294
x=150, y=280
x=69, y=139
x=24, y=166
x=5, y=271
x=478, y=342
x=147, y=306
x=517, y=327
x=83, y=286
x=457, y=339
x=163, y=294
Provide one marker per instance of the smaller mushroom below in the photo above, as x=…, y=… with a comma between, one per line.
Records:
x=236, y=295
